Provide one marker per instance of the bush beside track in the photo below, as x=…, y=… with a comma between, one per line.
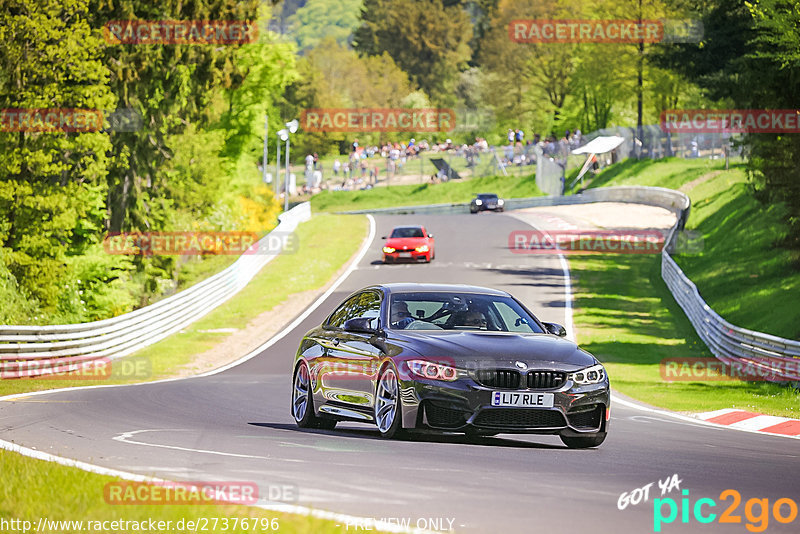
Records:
x=625, y=314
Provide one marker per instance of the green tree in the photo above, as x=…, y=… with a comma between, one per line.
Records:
x=535, y=78
x=319, y=19
x=773, y=77
x=748, y=59
x=171, y=86
x=52, y=184
x=428, y=39
x=334, y=76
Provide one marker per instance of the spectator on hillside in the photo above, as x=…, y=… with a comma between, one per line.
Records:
x=576, y=139
x=337, y=165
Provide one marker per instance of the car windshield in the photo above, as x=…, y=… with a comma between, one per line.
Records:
x=459, y=311
x=407, y=232
x=487, y=197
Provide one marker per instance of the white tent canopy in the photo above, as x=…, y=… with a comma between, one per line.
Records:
x=600, y=145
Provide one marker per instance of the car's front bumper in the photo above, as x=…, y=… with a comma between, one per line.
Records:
x=466, y=405
x=485, y=207
x=396, y=256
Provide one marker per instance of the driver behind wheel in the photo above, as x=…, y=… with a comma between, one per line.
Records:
x=474, y=318
x=400, y=317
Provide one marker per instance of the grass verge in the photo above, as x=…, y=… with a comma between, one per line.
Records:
x=61, y=493
x=326, y=243
x=627, y=317
x=416, y=195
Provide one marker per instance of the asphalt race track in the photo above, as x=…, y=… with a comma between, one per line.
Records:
x=236, y=426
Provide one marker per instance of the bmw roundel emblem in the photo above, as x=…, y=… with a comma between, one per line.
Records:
x=521, y=365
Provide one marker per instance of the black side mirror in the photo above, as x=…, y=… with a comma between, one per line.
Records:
x=430, y=235
x=384, y=237
x=555, y=328
x=363, y=325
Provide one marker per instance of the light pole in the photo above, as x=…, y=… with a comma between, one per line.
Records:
x=292, y=127
x=282, y=135
x=266, y=139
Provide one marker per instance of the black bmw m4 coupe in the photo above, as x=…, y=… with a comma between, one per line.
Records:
x=451, y=358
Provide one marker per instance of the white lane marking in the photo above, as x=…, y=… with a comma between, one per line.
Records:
x=693, y=420
x=568, y=320
x=568, y=324
x=125, y=438
x=262, y=504
x=273, y=340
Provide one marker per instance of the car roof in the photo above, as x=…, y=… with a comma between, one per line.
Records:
x=408, y=287
x=407, y=226
x=487, y=194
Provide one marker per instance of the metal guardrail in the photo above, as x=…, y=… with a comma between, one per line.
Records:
x=36, y=350
x=759, y=354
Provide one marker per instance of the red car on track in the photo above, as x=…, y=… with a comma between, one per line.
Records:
x=411, y=243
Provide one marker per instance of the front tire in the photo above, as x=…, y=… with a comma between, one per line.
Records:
x=388, y=406
x=583, y=443
x=303, y=402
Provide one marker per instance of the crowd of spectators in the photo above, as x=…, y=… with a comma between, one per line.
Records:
x=360, y=168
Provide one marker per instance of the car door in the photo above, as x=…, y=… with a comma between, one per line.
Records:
x=350, y=360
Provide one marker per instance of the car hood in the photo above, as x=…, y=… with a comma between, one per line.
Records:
x=466, y=348
x=408, y=242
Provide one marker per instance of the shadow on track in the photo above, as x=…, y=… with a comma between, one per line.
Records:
x=415, y=437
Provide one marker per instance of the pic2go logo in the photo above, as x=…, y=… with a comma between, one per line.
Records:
x=757, y=511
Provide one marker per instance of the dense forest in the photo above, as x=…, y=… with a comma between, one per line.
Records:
x=188, y=158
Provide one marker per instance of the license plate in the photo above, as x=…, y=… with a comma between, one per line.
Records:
x=522, y=400
x=405, y=254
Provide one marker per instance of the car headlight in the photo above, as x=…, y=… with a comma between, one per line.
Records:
x=422, y=248
x=478, y=202
x=591, y=375
x=500, y=202
x=432, y=371
x=388, y=250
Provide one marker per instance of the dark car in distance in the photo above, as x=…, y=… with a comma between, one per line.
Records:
x=451, y=358
x=486, y=202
